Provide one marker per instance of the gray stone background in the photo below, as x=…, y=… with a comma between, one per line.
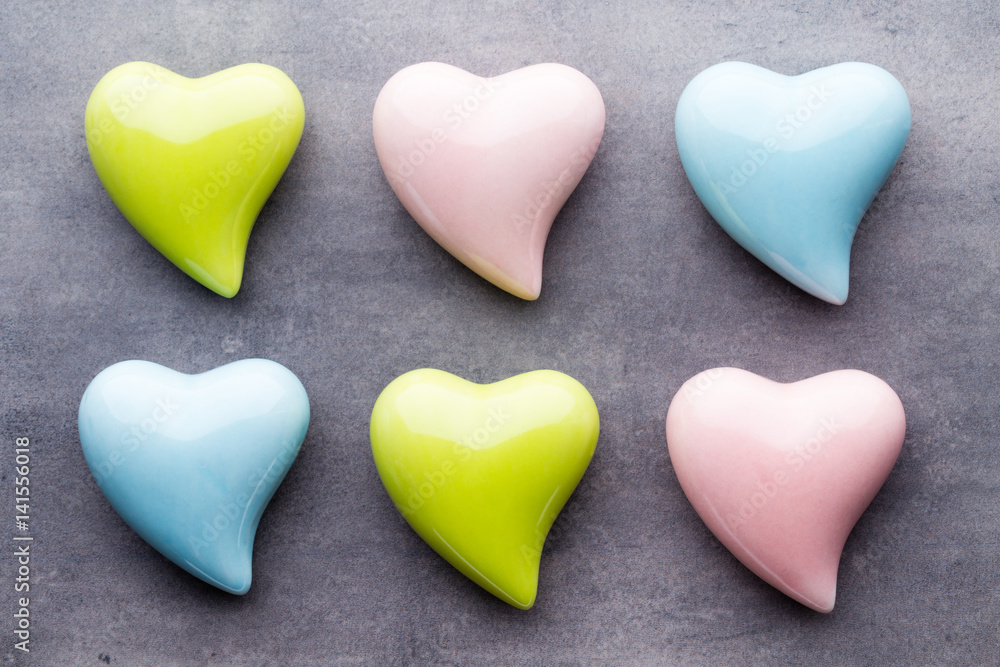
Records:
x=641, y=291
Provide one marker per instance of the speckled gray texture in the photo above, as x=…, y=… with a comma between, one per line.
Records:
x=641, y=291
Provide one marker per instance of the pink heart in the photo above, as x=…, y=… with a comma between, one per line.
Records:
x=484, y=165
x=782, y=472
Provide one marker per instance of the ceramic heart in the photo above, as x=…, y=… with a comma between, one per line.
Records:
x=191, y=461
x=190, y=162
x=480, y=472
x=782, y=472
x=484, y=165
x=788, y=165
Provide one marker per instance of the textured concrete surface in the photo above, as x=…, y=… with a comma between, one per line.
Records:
x=642, y=290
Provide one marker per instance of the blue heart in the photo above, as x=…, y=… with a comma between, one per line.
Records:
x=191, y=461
x=789, y=165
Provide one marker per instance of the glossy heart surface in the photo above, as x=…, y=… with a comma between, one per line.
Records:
x=191, y=461
x=788, y=165
x=780, y=473
x=484, y=165
x=190, y=162
x=480, y=472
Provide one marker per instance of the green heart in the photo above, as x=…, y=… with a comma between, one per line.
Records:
x=482, y=471
x=190, y=162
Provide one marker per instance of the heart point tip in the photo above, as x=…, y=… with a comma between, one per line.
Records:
x=531, y=289
x=227, y=290
x=824, y=607
x=525, y=283
x=839, y=296
x=835, y=294
x=821, y=601
x=523, y=603
x=528, y=293
x=519, y=593
x=237, y=585
x=838, y=290
x=531, y=297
